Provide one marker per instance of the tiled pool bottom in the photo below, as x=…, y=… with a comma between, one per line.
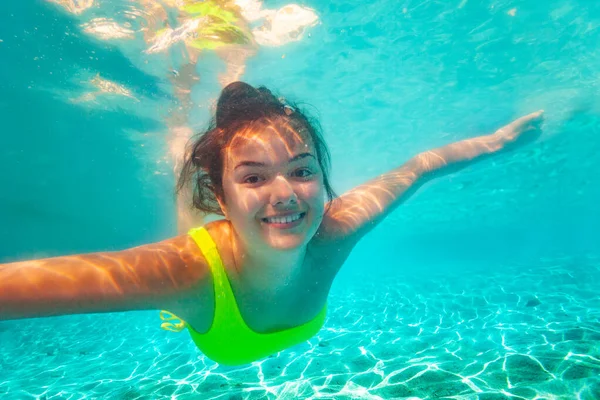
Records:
x=468, y=336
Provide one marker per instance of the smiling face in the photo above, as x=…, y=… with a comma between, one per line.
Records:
x=273, y=186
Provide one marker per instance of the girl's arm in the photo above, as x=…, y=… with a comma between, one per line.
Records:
x=359, y=210
x=153, y=276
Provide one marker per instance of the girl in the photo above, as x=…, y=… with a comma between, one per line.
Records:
x=257, y=281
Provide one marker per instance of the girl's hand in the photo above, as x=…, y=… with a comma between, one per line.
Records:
x=522, y=130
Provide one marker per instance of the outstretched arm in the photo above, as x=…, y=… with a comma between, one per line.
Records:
x=359, y=210
x=147, y=277
x=459, y=154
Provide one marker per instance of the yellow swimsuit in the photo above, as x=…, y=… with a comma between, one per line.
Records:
x=219, y=26
x=229, y=340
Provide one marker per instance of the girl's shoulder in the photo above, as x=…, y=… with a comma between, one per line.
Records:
x=219, y=230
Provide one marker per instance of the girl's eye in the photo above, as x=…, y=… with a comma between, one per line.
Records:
x=252, y=179
x=302, y=173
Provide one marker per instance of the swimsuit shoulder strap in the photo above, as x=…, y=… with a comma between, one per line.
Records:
x=209, y=249
x=225, y=305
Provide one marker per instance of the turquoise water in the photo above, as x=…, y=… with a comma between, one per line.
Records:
x=439, y=301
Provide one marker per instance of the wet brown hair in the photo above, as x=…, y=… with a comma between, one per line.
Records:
x=240, y=105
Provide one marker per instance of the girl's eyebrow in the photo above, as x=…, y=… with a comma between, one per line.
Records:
x=259, y=164
x=301, y=156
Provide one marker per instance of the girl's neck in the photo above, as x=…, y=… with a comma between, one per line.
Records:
x=265, y=268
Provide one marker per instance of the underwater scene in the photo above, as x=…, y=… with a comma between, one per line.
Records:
x=481, y=283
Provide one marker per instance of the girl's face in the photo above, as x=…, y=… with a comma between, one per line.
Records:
x=273, y=186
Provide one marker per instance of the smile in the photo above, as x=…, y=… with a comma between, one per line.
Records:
x=288, y=219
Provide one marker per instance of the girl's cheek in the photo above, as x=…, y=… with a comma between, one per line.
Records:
x=313, y=190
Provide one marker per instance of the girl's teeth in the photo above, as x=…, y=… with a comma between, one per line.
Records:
x=284, y=220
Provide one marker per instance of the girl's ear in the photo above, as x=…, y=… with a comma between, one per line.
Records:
x=222, y=205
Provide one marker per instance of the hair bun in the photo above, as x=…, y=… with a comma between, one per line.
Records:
x=235, y=101
x=240, y=101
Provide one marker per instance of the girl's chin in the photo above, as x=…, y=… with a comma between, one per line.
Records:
x=286, y=242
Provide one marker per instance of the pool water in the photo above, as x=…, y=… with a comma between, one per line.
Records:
x=483, y=285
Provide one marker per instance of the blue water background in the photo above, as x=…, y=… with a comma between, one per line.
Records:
x=387, y=79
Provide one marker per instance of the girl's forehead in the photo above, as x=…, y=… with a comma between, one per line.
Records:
x=271, y=136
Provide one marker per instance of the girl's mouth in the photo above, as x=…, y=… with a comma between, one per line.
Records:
x=288, y=221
